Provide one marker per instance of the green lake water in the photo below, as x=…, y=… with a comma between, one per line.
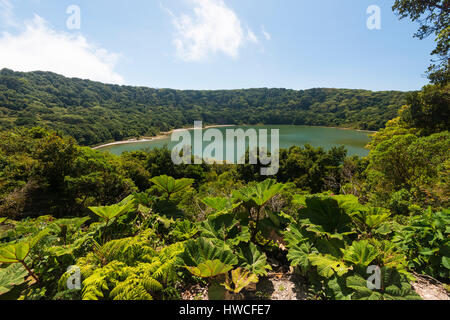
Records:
x=353, y=140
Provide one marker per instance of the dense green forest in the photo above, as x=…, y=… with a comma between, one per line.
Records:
x=138, y=227
x=93, y=112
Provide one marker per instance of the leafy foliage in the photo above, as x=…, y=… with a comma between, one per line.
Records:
x=330, y=239
x=324, y=217
x=220, y=205
x=225, y=229
x=425, y=240
x=433, y=16
x=253, y=260
x=360, y=253
x=11, y=277
x=299, y=255
x=202, y=250
x=14, y=253
x=255, y=199
x=210, y=269
x=110, y=212
x=259, y=194
x=169, y=186
x=394, y=287
x=184, y=230
x=327, y=265
x=240, y=278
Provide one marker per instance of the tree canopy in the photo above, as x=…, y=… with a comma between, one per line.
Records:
x=95, y=113
x=434, y=18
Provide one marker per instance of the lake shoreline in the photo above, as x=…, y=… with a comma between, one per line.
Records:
x=163, y=135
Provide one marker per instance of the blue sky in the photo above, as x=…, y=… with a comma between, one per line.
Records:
x=216, y=44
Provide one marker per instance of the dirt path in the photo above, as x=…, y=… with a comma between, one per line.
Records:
x=273, y=287
x=430, y=289
x=279, y=287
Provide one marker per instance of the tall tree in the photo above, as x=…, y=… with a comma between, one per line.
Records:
x=434, y=18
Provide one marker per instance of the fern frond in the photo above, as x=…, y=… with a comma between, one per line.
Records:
x=127, y=250
x=96, y=285
x=131, y=289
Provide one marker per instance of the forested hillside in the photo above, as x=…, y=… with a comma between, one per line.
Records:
x=93, y=112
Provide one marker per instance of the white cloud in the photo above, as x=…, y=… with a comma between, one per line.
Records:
x=266, y=34
x=251, y=36
x=38, y=47
x=213, y=28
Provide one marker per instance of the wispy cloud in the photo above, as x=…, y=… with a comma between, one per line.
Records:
x=251, y=36
x=266, y=35
x=34, y=45
x=212, y=28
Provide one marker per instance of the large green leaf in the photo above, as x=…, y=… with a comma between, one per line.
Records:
x=321, y=231
x=323, y=216
x=349, y=203
x=252, y=259
x=337, y=289
x=74, y=223
x=12, y=276
x=220, y=205
x=110, y=212
x=14, y=253
x=360, y=253
x=209, y=269
x=169, y=186
x=17, y=252
x=184, y=230
x=240, y=279
x=38, y=237
x=201, y=250
x=130, y=200
x=376, y=217
x=218, y=227
x=2, y=220
x=224, y=228
x=328, y=265
x=295, y=234
x=69, y=249
x=370, y=219
x=259, y=194
x=299, y=253
x=446, y=262
x=217, y=203
x=332, y=247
